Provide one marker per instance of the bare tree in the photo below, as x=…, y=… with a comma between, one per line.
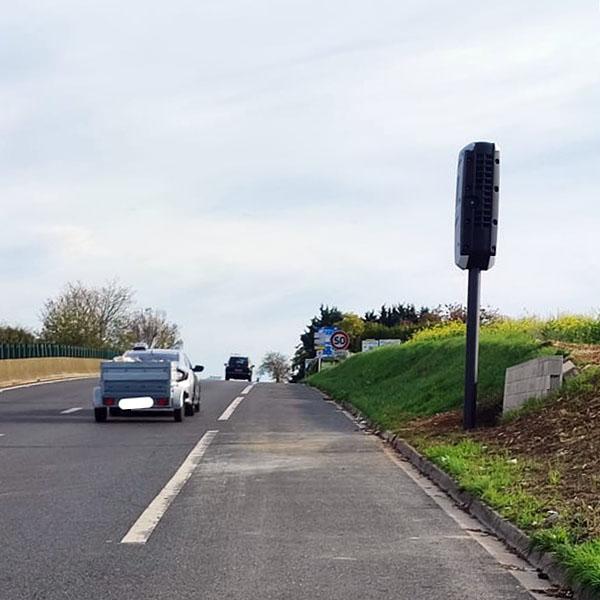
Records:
x=113, y=303
x=276, y=366
x=87, y=316
x=151, y=327
x=458, y=312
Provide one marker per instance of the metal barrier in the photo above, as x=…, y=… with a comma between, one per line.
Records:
x=43, y=350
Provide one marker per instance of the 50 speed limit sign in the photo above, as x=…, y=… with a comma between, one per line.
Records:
x=340, y=340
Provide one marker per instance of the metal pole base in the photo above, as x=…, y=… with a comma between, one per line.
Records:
x=472, y=351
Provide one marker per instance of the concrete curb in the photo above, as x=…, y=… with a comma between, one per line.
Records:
x=516, y=539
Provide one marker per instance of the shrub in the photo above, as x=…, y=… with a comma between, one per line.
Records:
x=578, y=329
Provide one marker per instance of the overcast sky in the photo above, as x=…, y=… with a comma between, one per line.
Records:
x=239, y=162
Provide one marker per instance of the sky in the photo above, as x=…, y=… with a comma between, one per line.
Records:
x=240, y=162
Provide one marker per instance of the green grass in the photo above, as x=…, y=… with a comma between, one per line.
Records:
x=582, y=562
x=497, y=480
x=425, y=375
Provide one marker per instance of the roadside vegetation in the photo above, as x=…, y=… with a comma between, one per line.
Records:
x=397, y=322
x=540, y=466
x=425, y=375
x=99, y=317
x=276, y=366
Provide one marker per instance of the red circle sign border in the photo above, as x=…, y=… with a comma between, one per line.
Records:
x=346, y=343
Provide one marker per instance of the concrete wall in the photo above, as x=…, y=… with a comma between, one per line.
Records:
x=26, y=370
x=532, y=379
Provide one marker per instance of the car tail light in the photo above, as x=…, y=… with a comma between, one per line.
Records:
x=109, y=401
x=162, y=402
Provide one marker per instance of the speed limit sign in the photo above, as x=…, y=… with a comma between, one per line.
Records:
x=340, y=340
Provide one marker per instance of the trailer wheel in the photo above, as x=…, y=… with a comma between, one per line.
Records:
x=178, y=415
x=100, y=414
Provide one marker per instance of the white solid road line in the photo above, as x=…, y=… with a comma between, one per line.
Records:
x=68, y=411
x=47, y=382
x=247, y=389
x=142, y=529
x=229, y=410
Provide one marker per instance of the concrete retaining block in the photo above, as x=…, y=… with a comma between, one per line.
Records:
x=532, y=379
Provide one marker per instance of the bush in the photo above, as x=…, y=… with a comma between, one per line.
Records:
x=377, y=331
x=578, y=329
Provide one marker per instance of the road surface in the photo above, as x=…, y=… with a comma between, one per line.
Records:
x=269, y=493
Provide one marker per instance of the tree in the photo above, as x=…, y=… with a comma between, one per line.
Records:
x=151, y=327
x=458, y=312
x=95, y=317
x=371, y=317
x=327, y=317
x=15, y=335
x=276, y=366
x=354, y=326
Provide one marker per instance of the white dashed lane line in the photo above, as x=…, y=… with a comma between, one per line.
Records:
x=247, y=389
x=68, y=411
x=142, y=529
x=229, y=410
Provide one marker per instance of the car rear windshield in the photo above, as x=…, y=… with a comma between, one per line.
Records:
x=153, y=356
x=238, y=361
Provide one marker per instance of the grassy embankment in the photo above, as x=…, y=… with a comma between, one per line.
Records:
x=540, y=468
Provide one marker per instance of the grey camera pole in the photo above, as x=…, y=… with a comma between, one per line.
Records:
x=472, y=353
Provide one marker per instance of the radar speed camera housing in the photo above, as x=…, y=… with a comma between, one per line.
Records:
x=477, y=193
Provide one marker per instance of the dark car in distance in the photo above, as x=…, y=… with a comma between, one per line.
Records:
x=238, y=367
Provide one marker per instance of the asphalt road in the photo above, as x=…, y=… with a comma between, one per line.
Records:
x=284, y=499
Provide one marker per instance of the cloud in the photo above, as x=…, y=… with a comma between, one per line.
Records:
x=240, y=163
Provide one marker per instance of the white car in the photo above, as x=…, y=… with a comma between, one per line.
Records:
x=149, y=380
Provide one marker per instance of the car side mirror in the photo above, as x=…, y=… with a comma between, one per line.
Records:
x=198, y=369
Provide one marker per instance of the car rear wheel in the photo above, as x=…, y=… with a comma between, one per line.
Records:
x=189, y=410
x=100, y=414
x=197, y=406
x=178, y=415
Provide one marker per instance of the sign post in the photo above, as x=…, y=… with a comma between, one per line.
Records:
x=323, y=347
x=476, y=232
x=472, y=354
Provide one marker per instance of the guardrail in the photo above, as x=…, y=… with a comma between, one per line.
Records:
x=43, y=350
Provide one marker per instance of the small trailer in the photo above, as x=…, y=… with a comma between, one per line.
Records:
x=137, y=385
